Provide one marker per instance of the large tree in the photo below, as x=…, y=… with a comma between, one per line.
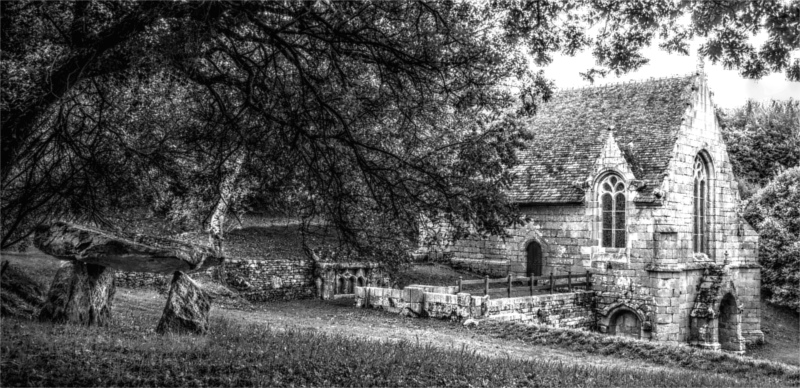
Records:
x=763, y=140
x=367, y=113
x=775, y=212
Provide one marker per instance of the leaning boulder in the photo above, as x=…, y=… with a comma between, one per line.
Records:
x=133, y=253
x=21, y=296
x=80, y=293
x=187, y=307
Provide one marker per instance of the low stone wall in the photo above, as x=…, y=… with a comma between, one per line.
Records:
x=256, y=280
x=264, y=280
x=569, y=310
x=416, y=301
x=142, y=279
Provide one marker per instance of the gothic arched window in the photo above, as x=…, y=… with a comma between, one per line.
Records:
x=612, y=203
x=700, y=209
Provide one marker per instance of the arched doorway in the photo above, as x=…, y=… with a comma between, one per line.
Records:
x=534, y=256
x=729, y=324
x=625, y=324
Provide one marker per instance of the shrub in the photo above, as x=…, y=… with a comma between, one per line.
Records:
x=775, y=213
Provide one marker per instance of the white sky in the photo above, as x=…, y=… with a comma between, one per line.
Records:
x=730, y=89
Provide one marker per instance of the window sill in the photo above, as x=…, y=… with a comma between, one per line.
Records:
x=701, y=257
x=610, y=254
x=597, y=249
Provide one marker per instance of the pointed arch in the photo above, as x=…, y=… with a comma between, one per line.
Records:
x=702, y=191
x=613, y=217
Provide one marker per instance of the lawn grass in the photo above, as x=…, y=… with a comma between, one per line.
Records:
x=431, y=274
x=781, y=327
x=702, y=361
x=128, y=354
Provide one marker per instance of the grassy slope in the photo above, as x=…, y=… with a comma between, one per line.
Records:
x=781, y=328
x=288, y=343
x=431, y=274
x=663, y=354
x=233, y=355
x=259, y=238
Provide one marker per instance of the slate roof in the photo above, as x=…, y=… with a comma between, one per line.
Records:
x=572, y=128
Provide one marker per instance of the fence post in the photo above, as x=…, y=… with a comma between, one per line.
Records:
x=509, y=285
x=569, y=280
x=460, y=280
x=588, y=280
x=486, y=285
x=530, y=283
x=551, y=281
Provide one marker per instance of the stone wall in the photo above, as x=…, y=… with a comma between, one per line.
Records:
x=264, y=280
x=571, y=310
x=143, y=279
x=747, y=279
x=256, y=280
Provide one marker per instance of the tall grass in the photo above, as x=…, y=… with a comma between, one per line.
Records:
x=125, y=354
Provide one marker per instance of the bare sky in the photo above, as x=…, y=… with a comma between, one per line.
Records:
x=730, y=89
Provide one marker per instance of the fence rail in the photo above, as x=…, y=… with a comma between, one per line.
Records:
x=548, y=282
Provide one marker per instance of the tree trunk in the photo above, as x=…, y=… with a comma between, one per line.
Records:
x=80, y=293
x=187, y=307
x=227, y=194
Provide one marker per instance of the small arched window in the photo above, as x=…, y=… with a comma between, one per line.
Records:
x=612, y=203
x=700, y=210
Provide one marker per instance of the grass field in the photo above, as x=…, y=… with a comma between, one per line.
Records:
x=313, y=343
x=129, y=354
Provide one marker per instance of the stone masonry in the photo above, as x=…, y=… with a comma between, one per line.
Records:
x=279, y=279
x=650, y=135
x=569, y=310
x=256, y=280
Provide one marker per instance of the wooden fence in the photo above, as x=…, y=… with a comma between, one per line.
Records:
x=547, y=282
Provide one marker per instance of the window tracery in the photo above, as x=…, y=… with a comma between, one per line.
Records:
x=612, y=204
x=700, y=206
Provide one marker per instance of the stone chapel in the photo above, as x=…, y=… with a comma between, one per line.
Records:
x=632, y=182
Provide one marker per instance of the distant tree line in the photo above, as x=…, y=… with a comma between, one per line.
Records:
x=763, y=143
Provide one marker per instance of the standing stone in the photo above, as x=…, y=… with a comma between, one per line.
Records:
x=187, y=307
x=80, y=293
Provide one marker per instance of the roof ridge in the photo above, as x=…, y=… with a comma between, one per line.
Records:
x=630, y=82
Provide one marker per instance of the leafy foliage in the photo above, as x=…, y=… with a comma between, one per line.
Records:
x=763, y=140
x=775, y=212
x=367, y=115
